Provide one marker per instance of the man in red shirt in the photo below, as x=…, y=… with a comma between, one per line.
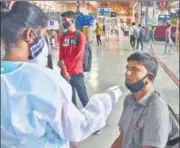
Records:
x=71, y=57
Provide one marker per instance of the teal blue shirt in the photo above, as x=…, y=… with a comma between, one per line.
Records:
x=8, y=66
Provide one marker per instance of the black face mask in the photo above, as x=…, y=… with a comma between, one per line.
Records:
x=66, y=25
x=137, y=86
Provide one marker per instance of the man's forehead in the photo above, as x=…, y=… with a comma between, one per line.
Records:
x=135, y=64
x=65, y=18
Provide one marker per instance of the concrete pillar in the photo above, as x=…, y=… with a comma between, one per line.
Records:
x=78, y=7
x=154, y=9
x=133, y=16
x=177, y=34
x=150, y=14
x=143, y=16
x=146, y=16
x=139, y=13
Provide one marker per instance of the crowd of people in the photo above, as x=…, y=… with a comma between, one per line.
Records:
x=141, y=35
x=38, y=106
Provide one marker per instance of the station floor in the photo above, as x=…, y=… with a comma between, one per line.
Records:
x=109, y=62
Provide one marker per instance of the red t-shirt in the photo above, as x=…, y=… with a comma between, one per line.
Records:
x=72, y=54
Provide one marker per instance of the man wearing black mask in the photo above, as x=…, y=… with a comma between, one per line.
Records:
x=72, y=48
x=145, y=119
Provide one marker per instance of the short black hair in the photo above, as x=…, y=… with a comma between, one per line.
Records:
x=57, y=31
x=149, y=62
x=22, y=15
x=133, y=23
x=69, y=14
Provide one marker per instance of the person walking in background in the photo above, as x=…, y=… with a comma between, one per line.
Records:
x=50, y=51
x=140, y=37
x=72, y=48
x=52, y=40
x=126, y=31
x=98, y=34
x=168, y=39
x=116, y=31
x=133, y=33
x=104, y=30
x=150, y=37
x=153, y=35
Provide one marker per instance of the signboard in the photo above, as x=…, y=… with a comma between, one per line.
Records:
x=164, y=17
x=104, y=11
x=53, y=24
x=113, y=14
x=162, y=4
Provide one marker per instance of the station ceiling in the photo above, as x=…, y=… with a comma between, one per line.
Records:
x=114, y=0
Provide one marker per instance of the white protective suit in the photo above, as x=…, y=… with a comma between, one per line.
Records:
x=37, y=111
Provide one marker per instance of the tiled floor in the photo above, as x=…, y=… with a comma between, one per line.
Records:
x=109, y=62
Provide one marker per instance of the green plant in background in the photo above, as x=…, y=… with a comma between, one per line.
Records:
x=173, y=21
x=152, y=22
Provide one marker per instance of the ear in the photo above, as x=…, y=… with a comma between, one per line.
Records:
x=29, y=35
x=72, y=22
x=149, y=78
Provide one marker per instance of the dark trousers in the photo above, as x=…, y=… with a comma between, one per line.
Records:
x=132, y=41
x=139, y=41
x=171, y=46
x=78, y=84
x=104, y=32
x=98, y=37
x=50, y=62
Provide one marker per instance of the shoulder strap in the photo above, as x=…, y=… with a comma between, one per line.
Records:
x=63, y=36
x=173, y=113
x=155, y=94
x=76, y=34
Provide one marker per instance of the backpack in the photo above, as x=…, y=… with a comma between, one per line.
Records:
x=87, y=59
x=142, y=34
x=136, y=33
x=173, y=36
x=174, y=138
x=147, y=35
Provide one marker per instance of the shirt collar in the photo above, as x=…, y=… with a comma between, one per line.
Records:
x=145, y=99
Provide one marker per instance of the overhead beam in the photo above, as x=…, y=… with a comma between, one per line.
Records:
x=128, y=1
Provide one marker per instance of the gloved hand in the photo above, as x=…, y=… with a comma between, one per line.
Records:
x=115, y=92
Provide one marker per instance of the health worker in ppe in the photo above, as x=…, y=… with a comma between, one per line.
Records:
x=36, y=106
